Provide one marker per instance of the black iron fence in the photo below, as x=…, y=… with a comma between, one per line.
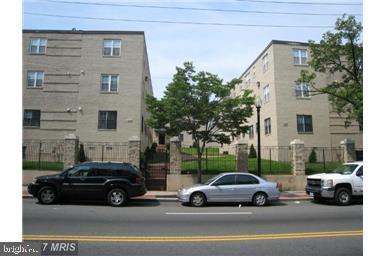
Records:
x=106, y=151
x=43, y=154
x=322, y=159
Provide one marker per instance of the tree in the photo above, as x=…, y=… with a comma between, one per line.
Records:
x=199, y=104
x=81, y=155
x=340, y=53
x=252, y=152
x=312, y=157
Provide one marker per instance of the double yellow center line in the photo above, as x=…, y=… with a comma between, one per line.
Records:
x=174, y=239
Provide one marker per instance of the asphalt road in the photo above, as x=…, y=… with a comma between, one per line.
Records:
x=168, y=228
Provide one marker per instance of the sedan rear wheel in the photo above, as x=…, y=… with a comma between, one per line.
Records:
x=198, y=199
x=260, y=199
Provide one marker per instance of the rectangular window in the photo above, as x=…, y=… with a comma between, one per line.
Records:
x=300, y=57
x=111, y=47
x=265, y=62
x=109, y=83
x=31, y=118
x=38, y=46
x=107, y=119
x=35, y=78
x=302, y=90
x=251, y=132
x=266, y=93
x=304, y=123
x=267, y=126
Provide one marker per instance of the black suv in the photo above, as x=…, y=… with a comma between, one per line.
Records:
x=114, y=182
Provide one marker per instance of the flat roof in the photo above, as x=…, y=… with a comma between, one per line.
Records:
x=79, y=31
x=269, y=45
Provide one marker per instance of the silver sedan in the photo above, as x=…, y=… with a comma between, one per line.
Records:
x=231, y=187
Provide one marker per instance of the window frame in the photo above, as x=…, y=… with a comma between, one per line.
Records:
x=299, y=87
x=265, y=61
x=267, y=89
x=109, y=83
x=100, y=127
x=37, y=52
x=300, y=56
x=304, y=124
x=30, y=123
x=111, y=55
x=267, y=126
x=36, y=73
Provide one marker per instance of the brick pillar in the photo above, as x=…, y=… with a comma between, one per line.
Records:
x=242, y=156
x=175, y=156
x=134, y=151
x=71, y=147
x=298, y=162
x=348, y=150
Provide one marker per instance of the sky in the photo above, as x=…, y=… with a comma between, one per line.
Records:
x=223, y=50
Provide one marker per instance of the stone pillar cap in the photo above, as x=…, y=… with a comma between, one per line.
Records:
x=297, y=141
x=175, y=139
x=70, y=137
x=347, y=141
x=134, y=138
x=241, y=142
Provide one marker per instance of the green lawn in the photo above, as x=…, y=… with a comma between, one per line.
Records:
x=44, y=166
x=226, y=163
x=209, y=151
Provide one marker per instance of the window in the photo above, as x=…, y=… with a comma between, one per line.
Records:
x=246, y=179
x=300, y=57
x=38, y=46
x=99, y=172
x=35, y=79
x=359, y=172
x=251, y=132
x=79, y=171
x=107, y=119
x=109, y=83
x=302, y=90
x=304, y=123
x=266, y=93
x=111, y=47
x=267, y=126
x=265, y=62
x=31, y=118
x=226, y=180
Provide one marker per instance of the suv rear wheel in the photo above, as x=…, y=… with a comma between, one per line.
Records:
x=46, y=195
x=116, y=197
x=343, y=196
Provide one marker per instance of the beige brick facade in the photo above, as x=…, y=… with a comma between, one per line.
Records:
x=70, y=97
x=283, y=106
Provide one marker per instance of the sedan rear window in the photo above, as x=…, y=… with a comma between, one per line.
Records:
x=246, y=179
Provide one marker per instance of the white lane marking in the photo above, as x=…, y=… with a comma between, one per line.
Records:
x=208, y=213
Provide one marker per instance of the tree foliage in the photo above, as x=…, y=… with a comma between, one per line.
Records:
x=340, y=53
x=199, y=104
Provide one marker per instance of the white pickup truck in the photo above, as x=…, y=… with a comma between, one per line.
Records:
x=341, y=185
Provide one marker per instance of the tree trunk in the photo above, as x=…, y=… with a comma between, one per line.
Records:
x=199, y=154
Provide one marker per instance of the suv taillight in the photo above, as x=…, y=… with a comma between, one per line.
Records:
x=139, y=180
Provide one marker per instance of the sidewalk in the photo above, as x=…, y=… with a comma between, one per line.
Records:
x=171, y=195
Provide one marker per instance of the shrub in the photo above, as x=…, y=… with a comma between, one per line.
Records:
x=252, y=152
x=81, y=155
x=312, y=157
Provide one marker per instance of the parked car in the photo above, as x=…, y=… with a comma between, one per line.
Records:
x=341, y=185
x=113, y=182
x=231, y=187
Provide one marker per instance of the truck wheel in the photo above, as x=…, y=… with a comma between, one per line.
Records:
x=343, y=196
